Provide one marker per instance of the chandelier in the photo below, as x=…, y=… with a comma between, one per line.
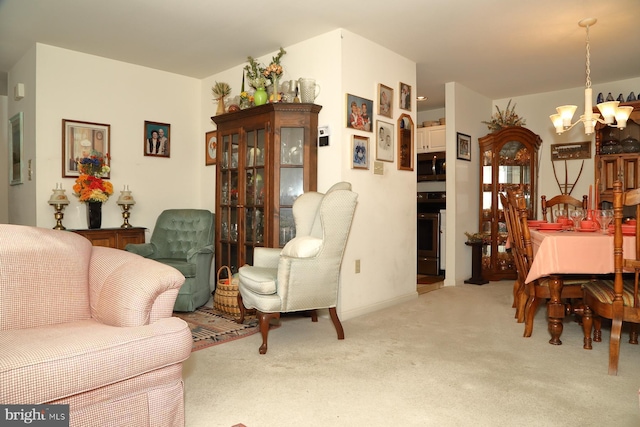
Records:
x=610, y=110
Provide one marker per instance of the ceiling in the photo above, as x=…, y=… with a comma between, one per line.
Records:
x=499, y=48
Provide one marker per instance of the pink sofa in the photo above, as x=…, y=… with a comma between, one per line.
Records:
x=91, y=327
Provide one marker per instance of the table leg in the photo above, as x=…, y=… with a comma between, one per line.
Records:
x=555, y=309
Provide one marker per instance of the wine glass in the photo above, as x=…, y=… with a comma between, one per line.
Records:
x=576, y=215
x=560, y=215
x=604, y=217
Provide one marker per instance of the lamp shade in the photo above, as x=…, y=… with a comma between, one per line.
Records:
x=58, y=197
x=566, y=112
x=125, y=198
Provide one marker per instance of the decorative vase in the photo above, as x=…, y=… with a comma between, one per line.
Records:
x=220, y=106
x=276, y=94
x=260, y=97
x=94, y=215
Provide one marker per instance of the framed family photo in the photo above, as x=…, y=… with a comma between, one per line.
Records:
x=79, y=139
x=211, y=146
x=15, y=149
x=405, y=96
x=405, y=142
x=385, y=99
x=359, y=112
x=463, y=144
x=385, y=141
x=157, y=139
x=360, y=152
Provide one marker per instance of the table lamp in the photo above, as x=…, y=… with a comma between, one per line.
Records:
x=59, y=200
x=126, y=201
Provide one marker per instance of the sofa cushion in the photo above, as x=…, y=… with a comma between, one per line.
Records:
x=43, y=277
x=260, y=280
x=84, y=355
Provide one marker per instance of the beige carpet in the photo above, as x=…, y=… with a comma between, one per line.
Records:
x=452, y=357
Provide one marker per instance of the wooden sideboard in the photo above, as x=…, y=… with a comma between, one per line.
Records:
x=113, y=237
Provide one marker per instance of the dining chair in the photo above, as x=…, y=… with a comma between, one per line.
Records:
x=511, y=218
x=615, y=299
x=537, y=290
x=562, y=201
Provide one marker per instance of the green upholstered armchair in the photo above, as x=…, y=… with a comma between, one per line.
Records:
x=183, y=239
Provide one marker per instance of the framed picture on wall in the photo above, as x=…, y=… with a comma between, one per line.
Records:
x=211, y=146
x=157, y=139
x=405, y=96
x=464, y=147
x=15, y=149
x=359, y=112
x=385, y=146
x=385, y=99
x=360, y=152
x=79, y=139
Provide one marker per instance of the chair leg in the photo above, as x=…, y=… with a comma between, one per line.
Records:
x=614, y=346
x=265, y=319
x=633, y=333
x=597, y=329
x=336, y=322
x=241, y=307
x=587, y=323
x=314, y=315
x=522, y=304
x=529, y=314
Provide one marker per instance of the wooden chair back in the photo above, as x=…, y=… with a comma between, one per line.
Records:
x=562, y=201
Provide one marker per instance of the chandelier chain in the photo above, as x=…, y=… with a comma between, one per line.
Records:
x=588, y=85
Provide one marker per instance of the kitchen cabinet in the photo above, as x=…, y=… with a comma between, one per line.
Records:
x=618, y=156
x=508, y=158
x=266, y=158
x=430, y=138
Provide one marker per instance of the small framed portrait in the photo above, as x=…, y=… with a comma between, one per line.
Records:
x=359, y=112
x=79, y=139
x=360, y=152
x=385, y=136
x=405, y=96
x=385, y=101
x=15, y=149
x=157, y=139
x=210, y=148
x=405, y=142
x=463, y=146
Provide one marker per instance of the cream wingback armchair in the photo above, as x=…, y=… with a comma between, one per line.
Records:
x=304, y=275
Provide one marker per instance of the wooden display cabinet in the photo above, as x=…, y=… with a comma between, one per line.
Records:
x=266, y=158
x=617, y=155
x=116, y=238
x=508, y=158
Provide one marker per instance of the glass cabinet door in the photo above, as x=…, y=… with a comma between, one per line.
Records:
x=255, y=179
x=291, y=178
x=229, y=214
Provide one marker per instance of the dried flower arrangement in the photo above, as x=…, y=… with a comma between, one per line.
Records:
x=220, y=90
x=503, y=119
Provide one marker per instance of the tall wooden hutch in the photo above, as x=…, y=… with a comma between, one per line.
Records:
x=266, y=158
x=618, y=156
x=508, y=158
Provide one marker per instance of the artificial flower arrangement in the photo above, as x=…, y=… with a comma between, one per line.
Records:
x=260, y=76
x=89, y=186
x=503, y=119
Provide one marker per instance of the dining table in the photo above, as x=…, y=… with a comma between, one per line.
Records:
x=565, y=252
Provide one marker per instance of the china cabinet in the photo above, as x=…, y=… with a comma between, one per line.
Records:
x=430, y=138
x=508, y=158
x=618, y=155
x=267, y=157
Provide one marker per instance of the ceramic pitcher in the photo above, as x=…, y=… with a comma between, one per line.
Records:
x=309, y=90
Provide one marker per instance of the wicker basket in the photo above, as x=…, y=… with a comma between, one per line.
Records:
x=225, y=298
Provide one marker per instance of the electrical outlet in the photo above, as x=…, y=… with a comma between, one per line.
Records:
x=378, y=168
x=357, y=266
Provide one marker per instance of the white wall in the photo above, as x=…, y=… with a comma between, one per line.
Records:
x=4, y=164
x=76, y=86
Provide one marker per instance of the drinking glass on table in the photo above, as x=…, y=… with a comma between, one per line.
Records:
x=576, y=216
x=604, y=218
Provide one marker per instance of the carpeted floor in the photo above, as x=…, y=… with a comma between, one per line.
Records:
x=210, y=327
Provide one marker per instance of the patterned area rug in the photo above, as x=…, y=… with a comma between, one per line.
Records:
x=210, y=327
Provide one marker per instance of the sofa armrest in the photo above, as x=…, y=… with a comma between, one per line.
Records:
x=124, y=287
x=266, y=257
x=142, y=249
x=192, y=254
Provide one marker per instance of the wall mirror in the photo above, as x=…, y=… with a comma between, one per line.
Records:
x=405, y=142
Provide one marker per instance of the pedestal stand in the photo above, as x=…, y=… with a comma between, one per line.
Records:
x=476, y=264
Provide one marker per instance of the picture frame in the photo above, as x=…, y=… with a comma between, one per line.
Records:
x=405, y=144
x=356, y=117
x=360, y=152
x=157, y=139
x=16, y=133
x=571, y=151
x=210, y=148
x=404, y=98
x=79, y=139
x=385, y=101
x=385, y=141
x=463, y=146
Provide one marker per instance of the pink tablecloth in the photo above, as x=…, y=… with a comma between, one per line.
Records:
x=572, y=252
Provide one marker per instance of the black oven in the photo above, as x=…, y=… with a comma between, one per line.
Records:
x=430, y=232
